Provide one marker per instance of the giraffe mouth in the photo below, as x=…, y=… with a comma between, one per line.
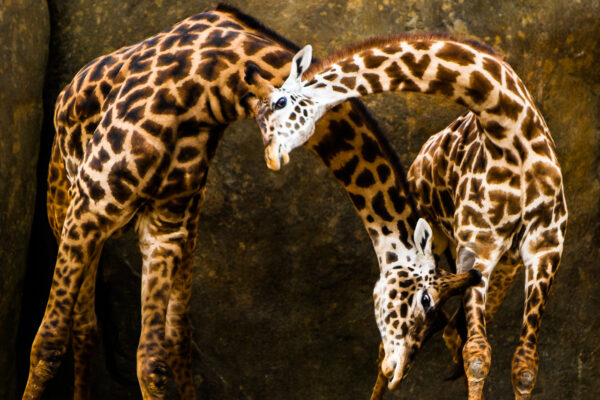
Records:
x=276, y=155
x=395, y=370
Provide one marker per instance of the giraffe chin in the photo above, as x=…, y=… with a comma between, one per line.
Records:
x=276, y=156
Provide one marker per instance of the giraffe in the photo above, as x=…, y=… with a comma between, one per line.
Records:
x=136, y=131
x=490, y=184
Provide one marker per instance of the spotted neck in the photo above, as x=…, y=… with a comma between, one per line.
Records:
x=354, y=148
x=468, y=73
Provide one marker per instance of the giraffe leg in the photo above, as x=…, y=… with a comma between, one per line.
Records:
x=178, y=330
x=84, y=232
x=539, y=275
x=501, y=280
x=476, y=352
x=163, y=233
x=84, y=333
x=382, y=381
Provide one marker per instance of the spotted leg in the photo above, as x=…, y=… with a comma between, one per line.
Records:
x=540, y=269
x=501, y=280
x=163, y=234
x=476, y=352
x=178, y=331
x=382, y=381
x=85, y=230
x=84, y=333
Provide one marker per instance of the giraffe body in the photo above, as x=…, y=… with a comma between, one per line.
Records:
x=136, y=131
x=490, y=183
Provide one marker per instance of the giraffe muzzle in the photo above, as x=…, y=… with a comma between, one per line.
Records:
x=276, y=155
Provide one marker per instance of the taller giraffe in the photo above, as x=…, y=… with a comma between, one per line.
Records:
x=492, y=185
x=136, y=131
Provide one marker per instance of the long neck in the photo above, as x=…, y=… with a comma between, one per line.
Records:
x=470, y=76
x=352, y=146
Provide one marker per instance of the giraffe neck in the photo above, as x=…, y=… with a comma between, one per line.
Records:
x=353, y=147
x=360, y=157
x=464, y=72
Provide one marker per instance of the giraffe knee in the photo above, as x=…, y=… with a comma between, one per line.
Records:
x=153, y=377
x=46, y=360
x=524, y=372
x=477, y=356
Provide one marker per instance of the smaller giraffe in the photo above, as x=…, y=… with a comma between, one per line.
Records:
x=490, y=184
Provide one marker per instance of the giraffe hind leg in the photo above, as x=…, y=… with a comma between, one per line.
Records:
x=540, y=270
x=163, y=234
x=84, y=334
x=178, y=329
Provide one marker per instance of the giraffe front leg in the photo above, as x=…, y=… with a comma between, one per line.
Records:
x=501, y=280
x=539, y=275
x=163, y=233
x=476, y=352
x=83, y=235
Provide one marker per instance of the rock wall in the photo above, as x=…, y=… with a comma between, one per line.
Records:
x=24, y=33
x=282, y=303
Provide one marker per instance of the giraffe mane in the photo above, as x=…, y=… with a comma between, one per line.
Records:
x=256, y=25
x=381, y=41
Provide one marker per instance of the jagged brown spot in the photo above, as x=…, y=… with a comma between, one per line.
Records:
x=373, y=80
x=365, y=179
x=348, y=81
x=345, y=173
x=456, y=54
x=372, y=61
x=416, y=68
x=348, y=66
x=495, y=130
x=444, y=82
x=507, y=107
x=277, y=59
x=253, y=46
x=116, y=137
x=220, y=38
x=479, y=87
x=493, y=68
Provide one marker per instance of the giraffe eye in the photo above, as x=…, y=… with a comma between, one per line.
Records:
x=280, y=103
x=426, y=302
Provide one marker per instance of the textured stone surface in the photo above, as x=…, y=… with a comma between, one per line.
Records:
x=24, y=35
x=282, y=291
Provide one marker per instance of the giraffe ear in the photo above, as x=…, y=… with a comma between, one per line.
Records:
x=257, y=85
x=300, y=63
x=423, y=237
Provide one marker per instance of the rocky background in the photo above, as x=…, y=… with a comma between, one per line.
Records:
x=282, y=304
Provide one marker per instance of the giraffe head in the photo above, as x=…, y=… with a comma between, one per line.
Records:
x=286, y=115
x=408, y=303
